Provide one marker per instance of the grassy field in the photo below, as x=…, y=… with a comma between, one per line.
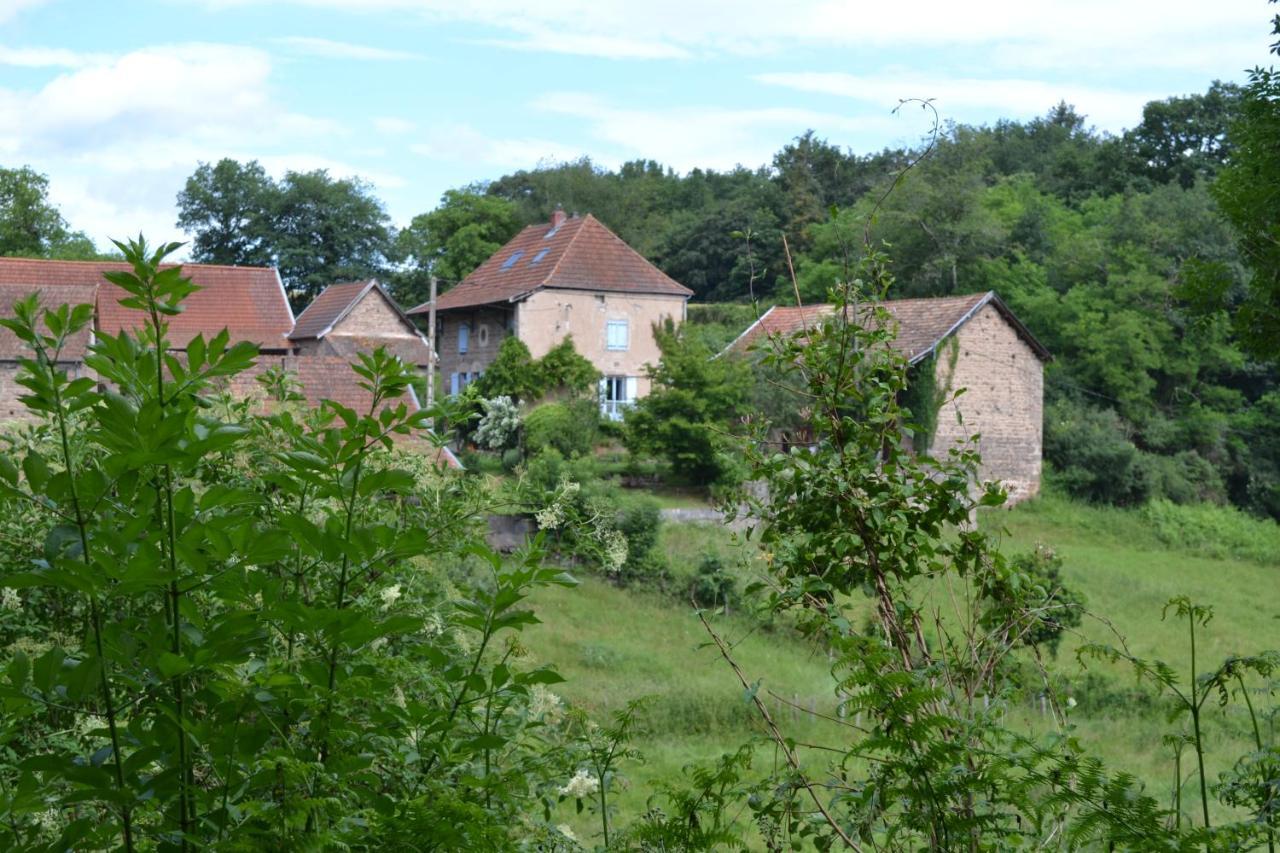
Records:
x=614, y=645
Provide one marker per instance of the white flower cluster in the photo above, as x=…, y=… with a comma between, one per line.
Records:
x=433, y=624
x=552, y=516
x=89, y=723
x=543, y=704
x=500, y=423
x=564, y=830
x=581, y=786
x=615, y=550
x=390, y=595
x=9, y=599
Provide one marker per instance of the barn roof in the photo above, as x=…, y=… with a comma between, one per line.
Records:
x=248, y=301
x=922, y=323
x=579, y=253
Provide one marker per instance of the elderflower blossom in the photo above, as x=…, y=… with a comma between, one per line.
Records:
x=615, y=550
x=433, y=624
x=88, y=724
x=543, y=704
x=564, y=830
x=9, y=599
x=397, y=697
x=1071, y=702
x=390, y=595
x=581, y=786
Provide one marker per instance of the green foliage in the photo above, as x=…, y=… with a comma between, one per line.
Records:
x=1243, y=192
x=564, y=368
x=316, y=229
x=713, y=585
x=569, y=426
x=1027, y=597
x=30, y=226
x=512, y=373
x=858, y=524
x=1092, y=457
x=216, y=600
x=1215, y=531
x=686, y=417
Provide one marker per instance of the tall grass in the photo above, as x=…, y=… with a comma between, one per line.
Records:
x=1222, y=532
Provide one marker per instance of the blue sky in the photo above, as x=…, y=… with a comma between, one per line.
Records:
x=118, y=101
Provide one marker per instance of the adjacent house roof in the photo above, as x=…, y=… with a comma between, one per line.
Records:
x=329, y=309
x=922, y=323
x=248, y=301
x=577, y=254
x=12, y=349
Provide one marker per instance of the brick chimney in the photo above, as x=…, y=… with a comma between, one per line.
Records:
x=557, y=217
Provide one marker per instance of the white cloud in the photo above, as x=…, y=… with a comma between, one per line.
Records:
x=708, y=137
x=1128, y=34
x=119, y=137
x=47, y=57
x=329, y=49
x=462, y=142
x=1108, y=109
x=11, y=8
x=543, y=39
x=392, y=125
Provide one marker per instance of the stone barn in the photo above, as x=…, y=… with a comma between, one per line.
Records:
x=973, y=342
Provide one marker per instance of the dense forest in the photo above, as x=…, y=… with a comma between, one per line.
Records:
x=1090, y=237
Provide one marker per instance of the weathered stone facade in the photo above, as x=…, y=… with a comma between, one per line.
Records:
x=486, y=326
x=1003, y=401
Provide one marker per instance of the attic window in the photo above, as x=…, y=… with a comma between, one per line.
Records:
x=541, y=254
x=511, y=261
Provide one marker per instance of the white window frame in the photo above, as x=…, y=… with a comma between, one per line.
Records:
x=617, y=335
x=617, y=394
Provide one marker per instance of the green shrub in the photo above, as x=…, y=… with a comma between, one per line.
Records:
x=1215, y=531
x=713, y=585
x=570, y=426
x=1093, y=457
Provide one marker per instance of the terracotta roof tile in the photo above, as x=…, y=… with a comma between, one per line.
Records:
x=922, y=323
x=581, y=254
x=12, y=349
x=248, y=301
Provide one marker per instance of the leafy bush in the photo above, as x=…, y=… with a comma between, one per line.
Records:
x=713, y=585
x=512, y=373
x=1093, y=457
x=219, y=593
x=638, y=519
x=687, y=415
x=1029, y=597
x=1215, y=531
x=569, y=426
x=563, y=367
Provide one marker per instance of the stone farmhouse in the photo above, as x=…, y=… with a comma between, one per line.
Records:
x=981, y=347
x=571, y=277
x=249, y=302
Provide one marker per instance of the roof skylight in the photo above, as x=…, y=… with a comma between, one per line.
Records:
x=511, y=261
x=541, y=254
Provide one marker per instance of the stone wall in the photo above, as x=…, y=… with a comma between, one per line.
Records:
x=488, y=327
x=1003, y=402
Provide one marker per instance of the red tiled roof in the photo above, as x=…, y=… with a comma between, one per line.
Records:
x=330, y=307
x=248, y=301
x=12, y=349
x=922, y=323
x=581, y=254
